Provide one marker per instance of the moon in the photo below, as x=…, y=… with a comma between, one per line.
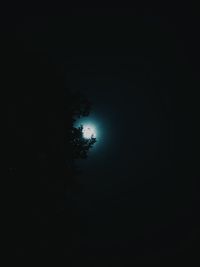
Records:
x=89, y=131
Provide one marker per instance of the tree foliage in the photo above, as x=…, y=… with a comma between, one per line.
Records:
x=77, y=147
x=80, y=145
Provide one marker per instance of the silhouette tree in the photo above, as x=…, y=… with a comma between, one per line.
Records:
x=76, y=146
x=80, y=145
x=78, y=106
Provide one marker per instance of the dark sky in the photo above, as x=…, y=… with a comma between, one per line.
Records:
x=138, y=197
x=140, y=185
x=139, y=192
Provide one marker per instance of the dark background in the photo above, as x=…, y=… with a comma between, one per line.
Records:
x=137, y=198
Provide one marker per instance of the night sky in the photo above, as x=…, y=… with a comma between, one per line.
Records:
x=136, y=199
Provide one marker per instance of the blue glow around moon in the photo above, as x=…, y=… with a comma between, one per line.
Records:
x=89, y=131
x=91, y=128
x=102, y=133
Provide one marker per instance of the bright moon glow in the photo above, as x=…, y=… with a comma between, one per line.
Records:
x=89, y=131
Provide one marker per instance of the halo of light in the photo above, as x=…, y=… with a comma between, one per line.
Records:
x=89, y=131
